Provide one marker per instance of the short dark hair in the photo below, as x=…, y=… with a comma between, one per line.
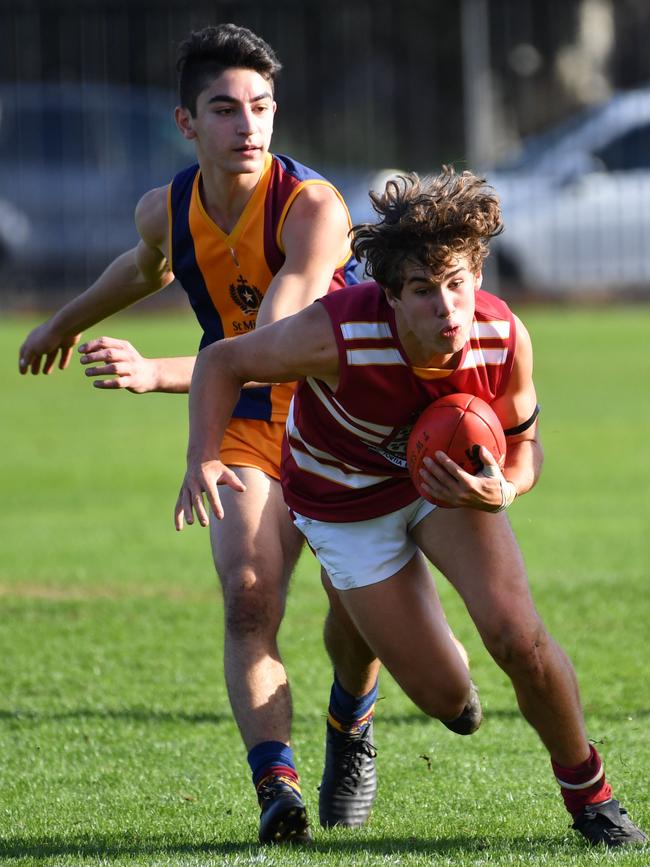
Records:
x=427, y=221
x=206, y=53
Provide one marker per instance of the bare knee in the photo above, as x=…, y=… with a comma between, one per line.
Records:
x=446, y=702
x=252, y=606
x=522, y=651
x=450, y=705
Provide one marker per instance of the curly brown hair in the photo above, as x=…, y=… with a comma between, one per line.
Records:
x=427, y=221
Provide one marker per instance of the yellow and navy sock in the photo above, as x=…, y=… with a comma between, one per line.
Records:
x=273, y=760
x=350, y=713
x=583, y=784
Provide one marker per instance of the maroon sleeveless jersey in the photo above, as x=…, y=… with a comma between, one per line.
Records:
x=344, y=455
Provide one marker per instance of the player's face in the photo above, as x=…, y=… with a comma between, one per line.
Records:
x=435, y=312
x=234, y=122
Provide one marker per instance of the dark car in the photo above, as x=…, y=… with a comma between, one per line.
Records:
x=74, y=160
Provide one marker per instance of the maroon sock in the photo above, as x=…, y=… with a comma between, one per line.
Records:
x=584, y=784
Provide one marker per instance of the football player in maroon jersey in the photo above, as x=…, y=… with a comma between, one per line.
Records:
x=368, y=360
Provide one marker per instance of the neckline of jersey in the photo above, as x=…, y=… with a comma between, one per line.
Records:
x=260, y=190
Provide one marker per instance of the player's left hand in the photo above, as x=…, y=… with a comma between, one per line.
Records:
x=120, y=361
x=42, y=346
x=203, y=477
x=444, y=480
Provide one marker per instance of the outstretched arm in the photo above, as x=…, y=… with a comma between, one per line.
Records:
x=315, y=241
x=133, y=275
x=121, y=361
x=127, y=369
x=298, y=346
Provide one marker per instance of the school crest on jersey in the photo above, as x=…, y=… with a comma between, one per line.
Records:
x=245, y=296
x=393, y=448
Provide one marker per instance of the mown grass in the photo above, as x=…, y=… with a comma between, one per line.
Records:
x=116, y=741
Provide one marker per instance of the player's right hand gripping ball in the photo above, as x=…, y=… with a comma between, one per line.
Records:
x=458, y=425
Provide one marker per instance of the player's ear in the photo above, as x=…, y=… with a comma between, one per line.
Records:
x=392, y=300
x=184, y=122
x=478, y=280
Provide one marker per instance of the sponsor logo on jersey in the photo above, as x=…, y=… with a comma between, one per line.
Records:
x=393, y=448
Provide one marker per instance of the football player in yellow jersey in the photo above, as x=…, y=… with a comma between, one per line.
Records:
x=199, y=229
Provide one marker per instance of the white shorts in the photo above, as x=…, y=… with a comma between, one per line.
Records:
x=358, y=553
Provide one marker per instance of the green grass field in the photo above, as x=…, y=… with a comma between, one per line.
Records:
x=116, y=740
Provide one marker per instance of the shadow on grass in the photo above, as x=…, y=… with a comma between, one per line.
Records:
x=149, y=715
x=48, y=847
x=137, y=714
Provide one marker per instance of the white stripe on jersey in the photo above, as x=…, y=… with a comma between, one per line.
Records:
x=497, y=328
x=334, y=474
x=357, y=426
x=483, y=358
x=365, y=330
x=294, y=433
x=360, y=357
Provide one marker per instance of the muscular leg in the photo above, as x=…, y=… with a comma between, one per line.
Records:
x=382, y=620
x=479, y=555
x=402, y=622
x=355, y=664
x=255, y=549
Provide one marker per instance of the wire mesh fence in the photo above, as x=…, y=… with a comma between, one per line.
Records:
x=528, y=93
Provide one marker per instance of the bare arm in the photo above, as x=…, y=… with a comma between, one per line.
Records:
x=125, y=368
x=133, y=275
x=516, y=406
x=492, y=489
x=315, y=240
x=300, y=345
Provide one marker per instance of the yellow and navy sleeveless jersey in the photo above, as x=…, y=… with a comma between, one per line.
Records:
x=227, y=275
